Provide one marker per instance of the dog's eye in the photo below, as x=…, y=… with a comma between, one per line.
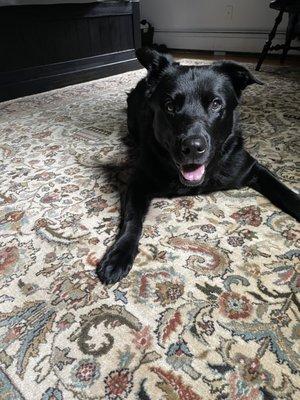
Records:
x=216, y=104
x=169, y=106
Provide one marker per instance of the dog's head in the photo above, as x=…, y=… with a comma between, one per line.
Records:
x=193, y=109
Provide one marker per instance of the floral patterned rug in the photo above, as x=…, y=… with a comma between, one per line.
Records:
x=210, y=308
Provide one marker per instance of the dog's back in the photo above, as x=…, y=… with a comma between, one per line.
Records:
x=137, y=111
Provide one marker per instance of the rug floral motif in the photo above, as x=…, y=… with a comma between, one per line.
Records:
x=210, y=309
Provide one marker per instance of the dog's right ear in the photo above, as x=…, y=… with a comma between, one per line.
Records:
x=156, y=63
x=153, y=60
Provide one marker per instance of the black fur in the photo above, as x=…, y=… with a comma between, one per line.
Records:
x=184, y=120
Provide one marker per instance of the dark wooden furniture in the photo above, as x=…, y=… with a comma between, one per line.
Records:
x=50, y=46
x=293, y=8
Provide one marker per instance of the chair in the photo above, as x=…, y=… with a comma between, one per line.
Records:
x=293, y=29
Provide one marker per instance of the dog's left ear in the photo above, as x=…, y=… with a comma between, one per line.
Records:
x=240, y=76
x=156, y=63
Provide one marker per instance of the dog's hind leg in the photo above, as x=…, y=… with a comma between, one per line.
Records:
x=264, y=182
x=118, y=260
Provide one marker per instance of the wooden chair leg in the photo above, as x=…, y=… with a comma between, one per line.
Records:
x=269, y=41
x=289, y=36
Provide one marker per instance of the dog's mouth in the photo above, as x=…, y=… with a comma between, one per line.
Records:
x=192, y=174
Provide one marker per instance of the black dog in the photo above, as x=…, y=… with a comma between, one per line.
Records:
x=184, y=121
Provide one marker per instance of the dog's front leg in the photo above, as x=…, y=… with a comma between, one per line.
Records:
x=118, y=260
x=264, y=182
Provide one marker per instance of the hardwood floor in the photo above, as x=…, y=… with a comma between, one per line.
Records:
x=273, y=59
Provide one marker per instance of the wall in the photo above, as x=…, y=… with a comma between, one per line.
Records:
x=210, y=24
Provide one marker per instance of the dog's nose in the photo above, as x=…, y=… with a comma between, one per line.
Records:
x=193, y=147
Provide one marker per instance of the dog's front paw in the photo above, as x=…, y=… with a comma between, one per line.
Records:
x=114, y=266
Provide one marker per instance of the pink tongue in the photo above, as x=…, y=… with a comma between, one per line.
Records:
x=195, y=175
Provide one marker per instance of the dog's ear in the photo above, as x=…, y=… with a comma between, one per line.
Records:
x=153, y=60
x=156, y=63
x=240, y=76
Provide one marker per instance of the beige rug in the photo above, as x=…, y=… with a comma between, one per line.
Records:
x=209, y=310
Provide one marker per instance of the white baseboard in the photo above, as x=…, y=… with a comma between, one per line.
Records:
x=248, y=42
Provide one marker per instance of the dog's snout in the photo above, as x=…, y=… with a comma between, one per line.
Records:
x=193, y=147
